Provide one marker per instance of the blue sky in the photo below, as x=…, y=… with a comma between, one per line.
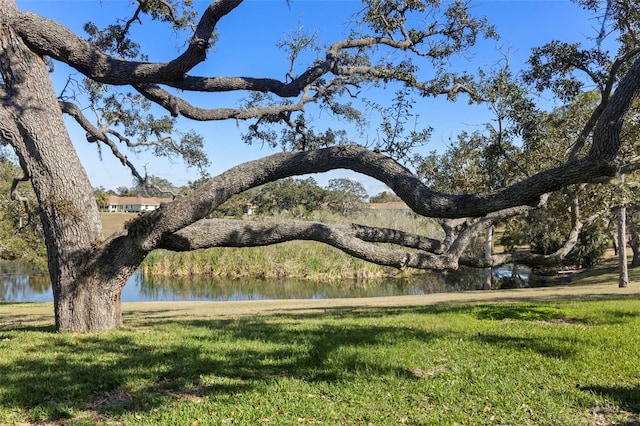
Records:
x=246, y=47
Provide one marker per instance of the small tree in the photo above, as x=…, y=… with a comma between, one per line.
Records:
x=384, y=197
x=297, y=197
x=102, y=197
x=346, y=196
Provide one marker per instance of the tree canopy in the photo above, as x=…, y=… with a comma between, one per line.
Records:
x=402, y=46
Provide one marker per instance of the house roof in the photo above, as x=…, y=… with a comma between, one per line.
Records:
x=152, y=201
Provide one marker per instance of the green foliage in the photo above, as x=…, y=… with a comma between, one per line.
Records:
x=384, y=197
x=297, y=198
x=592, y=244
x=290, y=197
x=238, y=205
x=394, y=139
x=459, y=169
x=546, y=230
x=123, y=191
x=102, y=197
x=294, y=196
x=492, y=158
x=21, y=236
x=345, y=196
x=553, y=67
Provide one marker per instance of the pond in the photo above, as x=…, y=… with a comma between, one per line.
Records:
x=17, y=284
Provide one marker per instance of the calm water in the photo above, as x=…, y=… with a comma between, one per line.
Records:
x=17, y=284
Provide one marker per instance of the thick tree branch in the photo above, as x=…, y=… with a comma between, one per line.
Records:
x=53, y=39
x=605, y=93
x=15, y=194
x=419, y=198
x=238, y=233
x=178, y=106
x=50, y=38
x=606, y=134
x=356, y=240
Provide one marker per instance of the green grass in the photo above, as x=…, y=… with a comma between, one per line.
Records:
x=558, y=363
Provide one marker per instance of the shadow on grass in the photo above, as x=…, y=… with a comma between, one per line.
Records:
x=549, y=348
x=555, y=314
x=518, y=312
x=26, y=323
x=625, y=397
x=115, y=373
x=126, y=371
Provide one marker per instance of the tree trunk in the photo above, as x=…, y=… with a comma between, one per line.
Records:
x=488, y=253
x=87, y=308
x=634, y=243
x=31, y=121
x=623, y=280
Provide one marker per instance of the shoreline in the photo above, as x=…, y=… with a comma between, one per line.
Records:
x=26, y=315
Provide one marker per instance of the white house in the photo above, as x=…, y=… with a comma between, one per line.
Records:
x=131, y=204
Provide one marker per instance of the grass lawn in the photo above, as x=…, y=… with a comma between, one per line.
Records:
x=114, y=221
x=525, y=358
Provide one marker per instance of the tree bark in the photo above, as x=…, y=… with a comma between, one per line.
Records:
x=488, y=254
x=623, y=279
x=634, y=243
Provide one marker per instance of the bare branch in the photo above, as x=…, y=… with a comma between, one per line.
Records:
x=95, y=135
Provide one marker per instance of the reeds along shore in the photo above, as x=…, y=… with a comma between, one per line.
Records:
x=294, y=259
x=297, y=259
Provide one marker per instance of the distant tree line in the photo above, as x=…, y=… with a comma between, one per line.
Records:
x=297, y=197
x=294, y=197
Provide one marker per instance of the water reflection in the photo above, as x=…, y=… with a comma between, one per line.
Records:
x=17, y=285
x=251, y=289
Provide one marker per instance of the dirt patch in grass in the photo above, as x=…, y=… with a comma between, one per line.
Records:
x=611, y=415
x=115, y=397
x=560, y=321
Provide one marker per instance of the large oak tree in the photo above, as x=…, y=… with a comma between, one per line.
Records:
x=88, y=272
